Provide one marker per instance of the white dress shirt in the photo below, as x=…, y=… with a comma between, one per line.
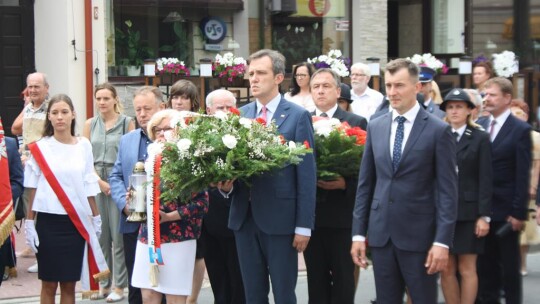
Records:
x=500, y=122
x=407, y=126
x=366, y=104
x=73, y=167
x=330, y=112
x=459, y=131
x=271, y=107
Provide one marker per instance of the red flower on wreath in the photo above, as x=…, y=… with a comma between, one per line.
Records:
x=235, y=111
x=359, y=133
x=261, y=120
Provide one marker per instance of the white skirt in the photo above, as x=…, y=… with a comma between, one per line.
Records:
x=175, y=276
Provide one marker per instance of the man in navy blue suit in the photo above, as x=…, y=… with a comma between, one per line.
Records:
x=499, y=266
x=406, y=201
x=272, y=220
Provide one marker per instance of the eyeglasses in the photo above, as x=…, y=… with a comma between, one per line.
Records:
x=357, y=75
x=300, y=76
x=158, y=130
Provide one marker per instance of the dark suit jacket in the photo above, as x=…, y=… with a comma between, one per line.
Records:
x=282, y=199
x=16, y=174
x=128, y=155
x=511, y=167
x=416, y=205
x=334, y=207
x=215, y=221
x=475, y=174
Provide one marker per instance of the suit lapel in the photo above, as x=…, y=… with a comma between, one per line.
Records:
x=386, y=124
x=281, y=112
x=465, y=140
x=504, y=131
x=339, y=114
x=418, y=127
x=250, y=110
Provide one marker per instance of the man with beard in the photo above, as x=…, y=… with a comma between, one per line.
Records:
x=365, y=100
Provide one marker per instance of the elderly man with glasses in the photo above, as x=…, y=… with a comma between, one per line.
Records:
x=365, y=99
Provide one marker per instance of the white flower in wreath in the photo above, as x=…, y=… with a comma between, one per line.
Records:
x=183, y=144
x=245, y=122
x=169, y=135
x=292, y=145
x=155, y=148
x=323, y=127
x=221, y=115
x=229, y=141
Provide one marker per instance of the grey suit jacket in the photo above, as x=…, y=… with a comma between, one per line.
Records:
x=416, y=205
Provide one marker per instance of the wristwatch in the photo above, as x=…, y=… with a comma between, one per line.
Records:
x=486, y=218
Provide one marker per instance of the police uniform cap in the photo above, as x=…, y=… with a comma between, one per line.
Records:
x=457, y=95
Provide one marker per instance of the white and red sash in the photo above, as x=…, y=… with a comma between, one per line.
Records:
x=152, y=220
x=94, y=264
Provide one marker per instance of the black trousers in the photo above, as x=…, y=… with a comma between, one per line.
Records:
x=221, y=259
x=499, y=268
x=330, y=269
x=130, y=246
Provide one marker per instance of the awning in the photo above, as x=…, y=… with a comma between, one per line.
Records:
x=508, y=31
x=236, y=5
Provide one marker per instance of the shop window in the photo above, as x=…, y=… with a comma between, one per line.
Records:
x=317, y=27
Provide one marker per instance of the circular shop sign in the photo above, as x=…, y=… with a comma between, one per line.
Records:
x=214, y=29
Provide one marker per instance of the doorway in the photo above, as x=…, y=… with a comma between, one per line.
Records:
x=16, y=55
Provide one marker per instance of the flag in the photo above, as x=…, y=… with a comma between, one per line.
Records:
x=7, y=217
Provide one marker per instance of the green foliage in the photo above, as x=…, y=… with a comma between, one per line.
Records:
x=209, y=149
x=132, y=49
x=337, y=155
x=180, y=47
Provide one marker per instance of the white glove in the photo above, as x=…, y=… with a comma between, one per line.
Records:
x=32, y=239
x=96, y=222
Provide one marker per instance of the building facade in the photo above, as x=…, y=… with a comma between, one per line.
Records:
x=80, y=43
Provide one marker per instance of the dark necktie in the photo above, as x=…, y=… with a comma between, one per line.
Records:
x=323, y=114
x=456, y=136
x=398, y=142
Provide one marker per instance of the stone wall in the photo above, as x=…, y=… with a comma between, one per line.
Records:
x=370, y=31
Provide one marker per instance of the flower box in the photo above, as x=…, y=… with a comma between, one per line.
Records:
x=235, y=82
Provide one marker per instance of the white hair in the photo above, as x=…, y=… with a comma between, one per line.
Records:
x=362, y=66
x=219, y=92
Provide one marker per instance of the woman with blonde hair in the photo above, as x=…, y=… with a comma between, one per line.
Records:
x=104, y=131
x=435, y=93
x=179, y=229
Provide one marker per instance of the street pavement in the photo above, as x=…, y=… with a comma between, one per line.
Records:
x=26, y=287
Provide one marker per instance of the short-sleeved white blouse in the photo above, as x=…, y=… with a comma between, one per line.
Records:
x=73, y=167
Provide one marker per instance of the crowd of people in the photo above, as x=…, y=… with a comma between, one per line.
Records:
x=446, y=189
